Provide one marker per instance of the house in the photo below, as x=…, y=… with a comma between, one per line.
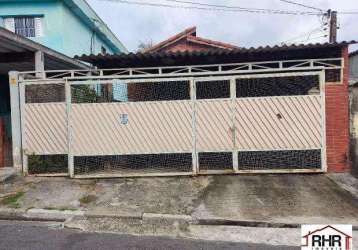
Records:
x=280, y=109
x=18, y=53
x=68, y=26
x=188, y=41
x=353, y=94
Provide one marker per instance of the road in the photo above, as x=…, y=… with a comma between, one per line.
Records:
x=35, y=235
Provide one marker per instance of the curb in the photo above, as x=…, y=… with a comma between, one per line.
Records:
x=90, y=214
x=52, y=215
x=22, y=216
x=243, y=223
x=167, y=217
x=45, y=215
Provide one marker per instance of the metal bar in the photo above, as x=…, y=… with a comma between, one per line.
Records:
x=192, y=74
x=25, y=167
x=213, y=172
x=300, y=64
x=268, y=171
x=261, y=66
x=43, y=82
x=259, y=149
x=193, y=105
x=69, y=129
x=130, y=71
x=325, y=64
x=323, y=115
x=206, y=172
x=49, y=175
x=233, y=101
x=211, y=78
x=342, y=70
x=91, y=176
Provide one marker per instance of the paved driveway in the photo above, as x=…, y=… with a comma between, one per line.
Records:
x=285, y=198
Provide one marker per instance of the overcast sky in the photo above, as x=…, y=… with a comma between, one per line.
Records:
x=134, y=23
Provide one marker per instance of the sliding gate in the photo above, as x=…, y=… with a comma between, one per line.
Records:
x=176, y=126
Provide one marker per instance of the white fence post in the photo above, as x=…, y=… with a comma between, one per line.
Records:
x=233, y=103
x=25, y=167
x=69, y=129
x=322, y=83
x=15, y=120
x=193, y=105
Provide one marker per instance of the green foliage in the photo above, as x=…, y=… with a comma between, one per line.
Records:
x=40, y=164
x=83, y=94
x=61, y=208
x=87, y=199
x=12, y=200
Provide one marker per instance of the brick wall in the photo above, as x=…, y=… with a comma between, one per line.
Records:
x=337, y=122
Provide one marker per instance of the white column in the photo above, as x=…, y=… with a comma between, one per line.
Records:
x=193, y=119
x=233, y=128
x=40, y=64
x=15, y=120
x=71, y=169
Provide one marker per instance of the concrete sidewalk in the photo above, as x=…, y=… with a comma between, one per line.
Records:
x=6, y=173
x=261, y=200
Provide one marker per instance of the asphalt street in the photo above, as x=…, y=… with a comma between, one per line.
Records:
x=34, y=235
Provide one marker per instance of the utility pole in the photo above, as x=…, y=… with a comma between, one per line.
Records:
x=332, y=15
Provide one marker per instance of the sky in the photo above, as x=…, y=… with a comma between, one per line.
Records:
x=133, y=24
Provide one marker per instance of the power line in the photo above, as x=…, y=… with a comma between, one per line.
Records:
x=348, y=12
x=310, y=39
x=226, y=6
x=307, y=33
x=260, y=9
x=222, y=9
x=302, y=5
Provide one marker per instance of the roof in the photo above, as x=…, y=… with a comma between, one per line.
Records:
x=218, y=56
x=189, y=35
x=85, y=12
x=354, y=53
x=17, y=53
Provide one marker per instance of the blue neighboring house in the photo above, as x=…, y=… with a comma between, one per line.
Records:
x=69, y=26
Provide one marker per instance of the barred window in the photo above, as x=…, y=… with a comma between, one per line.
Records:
x=27, y=26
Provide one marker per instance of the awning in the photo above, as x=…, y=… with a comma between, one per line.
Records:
x=17, y=54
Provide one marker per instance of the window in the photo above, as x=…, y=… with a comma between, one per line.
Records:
x=25, y=26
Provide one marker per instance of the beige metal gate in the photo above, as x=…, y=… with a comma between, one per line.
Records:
x=175, y=126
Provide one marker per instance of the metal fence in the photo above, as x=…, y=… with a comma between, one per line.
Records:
x=174, y=126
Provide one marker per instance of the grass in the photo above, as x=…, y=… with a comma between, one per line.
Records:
x=85, y=200
x=12, y=200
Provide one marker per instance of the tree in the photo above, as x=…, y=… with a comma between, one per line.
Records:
x=143, y=45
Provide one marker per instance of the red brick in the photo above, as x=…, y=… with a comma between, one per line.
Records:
x=337, y=122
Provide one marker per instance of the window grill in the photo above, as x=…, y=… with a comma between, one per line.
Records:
x=25, y=26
